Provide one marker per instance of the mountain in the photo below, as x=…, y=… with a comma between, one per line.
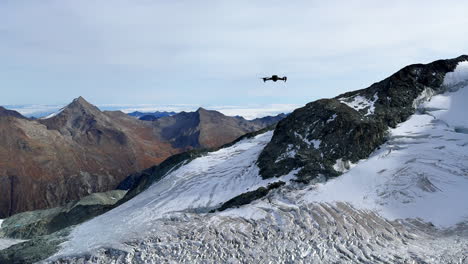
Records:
x=268, y=120
x=205, y=128
x=148, y=116
x=377, y=175
x=326, y=136
x=5, y=112
x=81, y=150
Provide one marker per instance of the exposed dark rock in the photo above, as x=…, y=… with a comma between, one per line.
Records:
x=34, y=250
x=32, y=224
x=249, y=197
x=324, y=136
x=12, y=113
x=148, y=118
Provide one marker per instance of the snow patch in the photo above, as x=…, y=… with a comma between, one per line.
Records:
x=316, y=143
x=332, y=118
x=289, y=153
x=359, y=102
x=425, y=96
x=53, y=114
x=342, y=166
x=7, y=242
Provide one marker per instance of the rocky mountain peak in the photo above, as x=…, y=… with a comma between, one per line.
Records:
x=205, y=113
x=81, y=104
x=323, y=138
x=77, y=118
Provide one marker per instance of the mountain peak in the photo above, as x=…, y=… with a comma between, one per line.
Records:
x=78, y=114
x=81, y=104
x=81, y=101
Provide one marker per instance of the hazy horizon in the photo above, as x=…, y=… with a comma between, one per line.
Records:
x=251, y=111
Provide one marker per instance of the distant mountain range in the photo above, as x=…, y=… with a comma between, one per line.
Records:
x=81, y=150
x=150, y=116
x=249, y=112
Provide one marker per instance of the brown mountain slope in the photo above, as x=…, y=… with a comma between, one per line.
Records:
x=81, y=150
x=206, y=128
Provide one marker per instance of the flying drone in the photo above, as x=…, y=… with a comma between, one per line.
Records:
x=274, y=78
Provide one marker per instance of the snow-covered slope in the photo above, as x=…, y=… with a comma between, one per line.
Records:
x=366, y=215
x=422, y=171
x=6, y=242
x=199, y=186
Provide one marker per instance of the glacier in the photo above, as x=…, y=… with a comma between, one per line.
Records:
x=406, y=203
x=198, y=186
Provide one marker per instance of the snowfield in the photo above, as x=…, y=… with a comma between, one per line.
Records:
x=406, y=203
x=199, y=186
x=422, y=171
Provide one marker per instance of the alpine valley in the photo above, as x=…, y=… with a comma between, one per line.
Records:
x=81, y=150
x=378, y=175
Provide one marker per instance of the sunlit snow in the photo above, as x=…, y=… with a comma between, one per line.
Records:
x=199, y=186
x=53, y=114
x=359, y=102
x=421, y=172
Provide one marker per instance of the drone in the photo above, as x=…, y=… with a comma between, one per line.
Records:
x=274, y=78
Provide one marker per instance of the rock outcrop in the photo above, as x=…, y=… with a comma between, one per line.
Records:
x=325, y=137
x=37, y=223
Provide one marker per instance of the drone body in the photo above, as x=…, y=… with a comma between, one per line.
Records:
x=274, y=78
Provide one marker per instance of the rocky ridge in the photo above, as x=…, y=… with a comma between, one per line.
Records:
x=325, y=137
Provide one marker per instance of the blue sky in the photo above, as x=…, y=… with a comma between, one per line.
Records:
x=213, y=52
